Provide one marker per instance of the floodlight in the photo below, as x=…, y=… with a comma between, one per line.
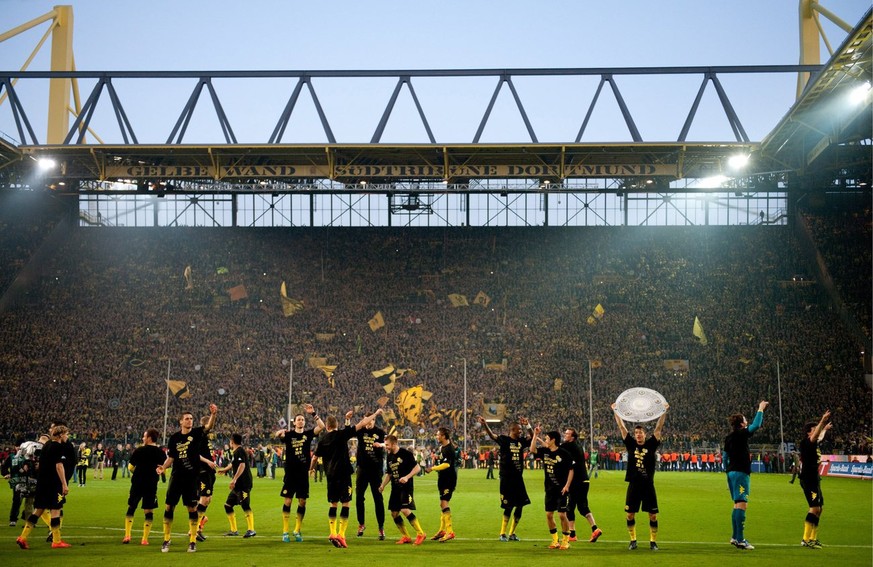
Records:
x=46, y=164
x=738, y=161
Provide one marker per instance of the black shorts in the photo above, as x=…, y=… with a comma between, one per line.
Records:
x=339, y=489
x=579, y=498
x=296, y=484
x=239, y=498
x=148, y=497
x=446, y=487
x=555, y=501
x=400, y=499
x=207, y=482
x=641, y=493
x=184, y=488
x=49, y=498
x=513, y=492
x=812, y=491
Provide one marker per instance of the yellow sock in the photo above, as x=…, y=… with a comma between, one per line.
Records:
x=417, y=526
x=168, y=524
x=332, y=522
x=653, y=534
x=554, y=538
x=513, y=525
x=192, y=527
x=250, y=520
x=28, y=527
x=56, y=534
x=231, y=519
x=503, y=524
x=402, y=528
x=200, y=515
x=146, y=530
x=298, y=523
x=442, y=522
x=343, y=525
x=286, y=522
x=814, y=533
x=807, y=531
x=128, y=526
x=632, y=532
x=449, y=528
x=47, y=518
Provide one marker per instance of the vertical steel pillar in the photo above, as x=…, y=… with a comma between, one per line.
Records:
x=59, y=89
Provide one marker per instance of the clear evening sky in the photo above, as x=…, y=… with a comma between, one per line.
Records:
x=162, y=35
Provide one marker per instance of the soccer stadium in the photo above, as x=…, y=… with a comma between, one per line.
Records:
x=153, y=272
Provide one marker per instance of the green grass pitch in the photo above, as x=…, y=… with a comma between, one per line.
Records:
x=694, y=527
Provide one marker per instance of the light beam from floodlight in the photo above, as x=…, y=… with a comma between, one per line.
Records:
x=738, y=161
x=46, y=164
x=859, y=93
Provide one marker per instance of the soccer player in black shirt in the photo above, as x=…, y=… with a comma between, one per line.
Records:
x=240, y=487
x=739, y=469
x=810, y=481
x=184, y=456
x=99, y=460
x=370, y=462
x=640, y=476
x=298, y=454
x=402, y=468
x=207, y=479
x=447, y=481
x=579, y=487
x=513, y=493
x=333, y=449
x=51, y=487
x=557, y=478
x=143, y=466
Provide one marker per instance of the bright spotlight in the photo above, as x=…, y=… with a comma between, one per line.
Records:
x=714, y=181
x=859, y=93
x=738, y=161
x=46, y=164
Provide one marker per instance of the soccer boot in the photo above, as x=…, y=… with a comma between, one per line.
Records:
x=249, y=533
x=232, y=533
x=192, y=547
x=381, y=534
x=402, y=540
x=595, y=535
x=60, y=545
x=22, y=543
x=342, y=542
x=632, y=545
x=334, y=540
x=165, y=547
x=503, y=537
x=653, y=546
x=286, y=538
x=419, y=539
x=361, y=529
x=438, y=536
x=200, y=536
x=513, y=537
x=448, y=537
x=298, y=537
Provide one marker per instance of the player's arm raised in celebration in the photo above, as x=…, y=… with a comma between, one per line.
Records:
x=366, y=420
x=660, y=425
x=484, y=424
x=213, y=411
x=824, y=430
x=533, y=438
x=622, y=428
x=319, y=424
x=819, y=429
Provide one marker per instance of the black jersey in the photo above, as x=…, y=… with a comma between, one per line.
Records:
x=400, y=464
x=370, y=458
x=145, y=460
x=641, y=459
x=334, y=451
x=206, y=451
x=185, y=451
x=298, y=449
x=511, y=456
x=450, y=456
x=580, y=471
x=244, y=482
x=52, y=453
x=736, y=447
x=557, y=465
x=810, y=459
x=70, y=459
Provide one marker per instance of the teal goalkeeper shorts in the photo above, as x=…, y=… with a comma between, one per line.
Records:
x=739, y=483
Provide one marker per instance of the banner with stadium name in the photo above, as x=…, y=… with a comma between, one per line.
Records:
x=388, y=171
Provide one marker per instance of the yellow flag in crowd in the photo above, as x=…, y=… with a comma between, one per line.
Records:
x=179, y=389
x=189, y=282
x=409, y=403
x=328, y=370
x=482, y=299
x=699, y=333
x=377, y=322
x=289, y=306
x=458, y=300
x=493, y=412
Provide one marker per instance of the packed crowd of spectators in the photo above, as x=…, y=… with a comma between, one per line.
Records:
x=112, y=316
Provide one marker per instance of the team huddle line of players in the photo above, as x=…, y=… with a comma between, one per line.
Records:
x=381, y=460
